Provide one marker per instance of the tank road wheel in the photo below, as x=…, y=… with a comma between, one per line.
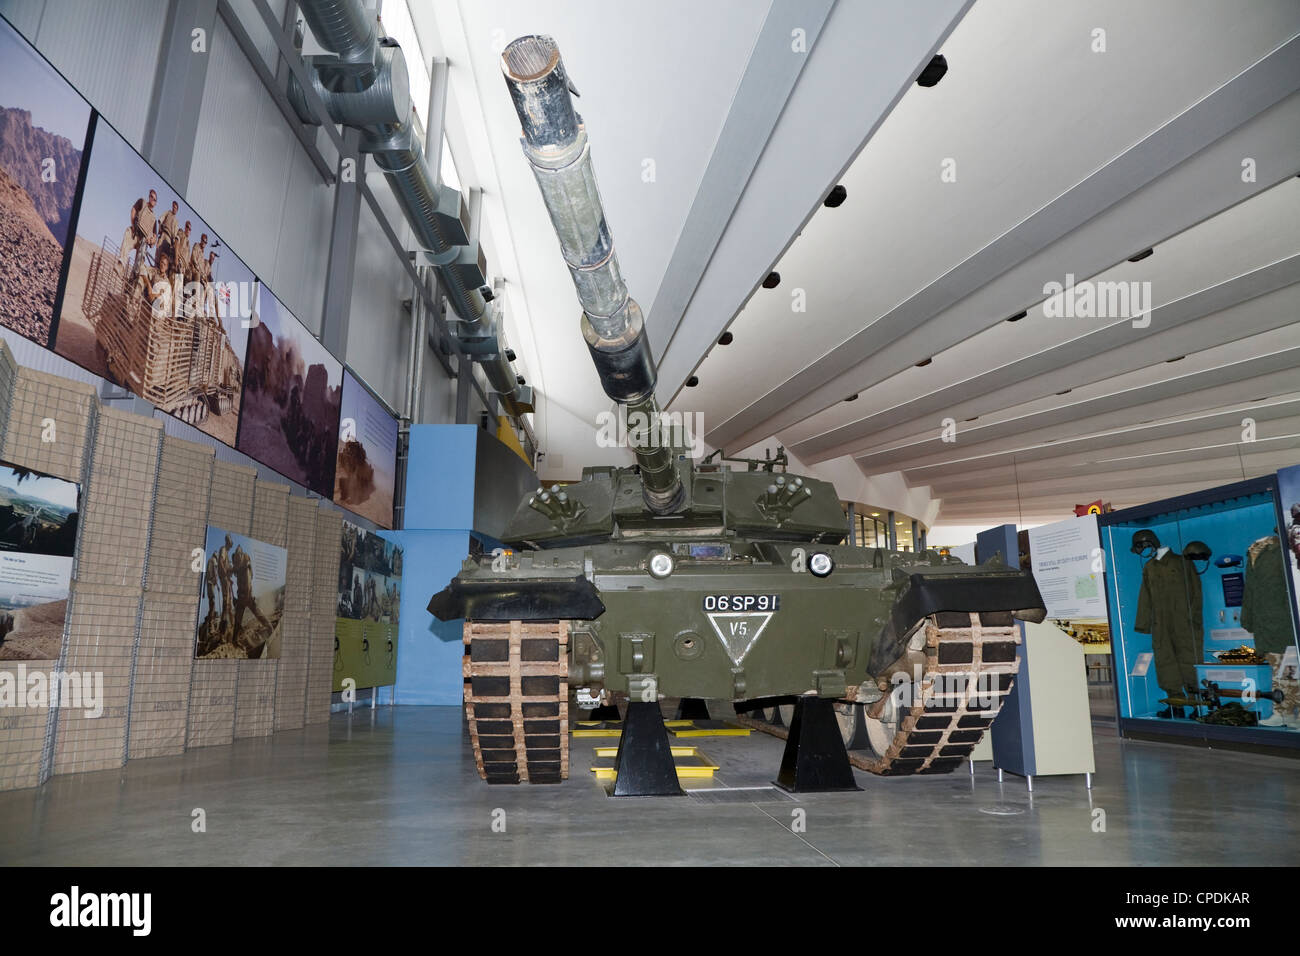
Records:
x=970, y=665
x=517, y=699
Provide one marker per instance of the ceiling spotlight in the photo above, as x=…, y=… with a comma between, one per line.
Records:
x=520, y=380
x=924, y=362
x=726, y=338
x=772, y=281
x=1017, y=317
x=1145, y=253
x=852, y=398
x=975, y=419
x=875, y=514
x=1065, y=391
x=934, y=71
x=510, y=355
x=692, y=381
x=486, y=293
x=836, y=197
x=1176, y=358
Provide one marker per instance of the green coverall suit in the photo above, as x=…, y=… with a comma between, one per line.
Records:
x=1169, y=609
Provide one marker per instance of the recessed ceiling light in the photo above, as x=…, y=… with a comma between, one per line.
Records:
x=975, y=419
x=836, y=197
x=726, y=338
x=1141, y=255
x=934, y=71
x=1176, y=358
x=1065, y=391
x=772, y=281
x=1017, y=317
x=692, y=381
x=875, y=514
x=852, y=398
x=924, y=362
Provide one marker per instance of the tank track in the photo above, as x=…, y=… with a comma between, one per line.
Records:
x=976, y=656
x=970, y=667
x=517, y=699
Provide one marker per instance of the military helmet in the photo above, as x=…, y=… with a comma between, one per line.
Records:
x=1144, y=539
x=1198, y=553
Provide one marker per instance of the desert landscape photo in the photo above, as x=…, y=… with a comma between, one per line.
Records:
x=292, y=398
x=43, y=124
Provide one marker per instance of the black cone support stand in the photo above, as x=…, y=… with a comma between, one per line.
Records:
x=815, y=760
x=644, y=765
x=606, y=712
x=692, y=708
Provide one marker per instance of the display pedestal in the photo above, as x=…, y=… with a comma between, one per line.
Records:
x=1045, y=727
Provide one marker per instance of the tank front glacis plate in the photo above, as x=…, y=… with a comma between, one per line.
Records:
x=741, y=633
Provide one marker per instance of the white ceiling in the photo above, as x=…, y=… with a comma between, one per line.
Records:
x=1067, y=161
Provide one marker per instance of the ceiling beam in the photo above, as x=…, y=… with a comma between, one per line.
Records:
x=769, y=78
x=1172, y=200
x=1095, y=356
x=1225, y=384
x=1118, y=442
x=888, y=42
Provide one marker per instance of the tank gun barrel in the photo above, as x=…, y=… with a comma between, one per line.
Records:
x=555, y=143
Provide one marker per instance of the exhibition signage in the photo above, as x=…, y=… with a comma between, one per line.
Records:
x=1068, y=565
x=38, y=535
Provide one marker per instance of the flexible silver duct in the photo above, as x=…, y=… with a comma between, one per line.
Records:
x=365, y=85
x=555, y=143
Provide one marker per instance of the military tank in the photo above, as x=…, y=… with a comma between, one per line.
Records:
x=697, y=579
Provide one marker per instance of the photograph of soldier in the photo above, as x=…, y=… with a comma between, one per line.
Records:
x=242, y=598
x=292, y=395
x=38, y=535
x=158, y=311
x=43, y=124
x=364, y=476
x=369, y=576
x=141, y=233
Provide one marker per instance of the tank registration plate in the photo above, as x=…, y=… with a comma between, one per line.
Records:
x=742, y=602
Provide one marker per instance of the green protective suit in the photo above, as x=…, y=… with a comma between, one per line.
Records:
x=1265, y=604
x=1169, y=609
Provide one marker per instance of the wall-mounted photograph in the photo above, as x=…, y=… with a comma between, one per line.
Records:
x=43, y=123
x=241, y=601
x=292, y=398
x=38, y=537
x=154, y=300
x=367, y=459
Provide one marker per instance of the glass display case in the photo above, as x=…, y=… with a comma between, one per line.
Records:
x=1201, y=619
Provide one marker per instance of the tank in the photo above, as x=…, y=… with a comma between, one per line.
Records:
x=720, y=579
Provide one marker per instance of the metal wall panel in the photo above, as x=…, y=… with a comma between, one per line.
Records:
x=108, y=51
x=25, y=15
x=302, y=255
x=379, y=332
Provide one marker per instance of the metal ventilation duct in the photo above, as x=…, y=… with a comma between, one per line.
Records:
x=364, y=85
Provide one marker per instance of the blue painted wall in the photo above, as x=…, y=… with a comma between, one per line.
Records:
x=429, y=650
x=438, y=517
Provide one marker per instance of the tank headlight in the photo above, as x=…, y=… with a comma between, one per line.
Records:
x=821, y=565
x=661, y=565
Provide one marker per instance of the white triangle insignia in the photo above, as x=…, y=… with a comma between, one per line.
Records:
x=739, y=631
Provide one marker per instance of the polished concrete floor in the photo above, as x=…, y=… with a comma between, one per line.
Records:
x=397, y=786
